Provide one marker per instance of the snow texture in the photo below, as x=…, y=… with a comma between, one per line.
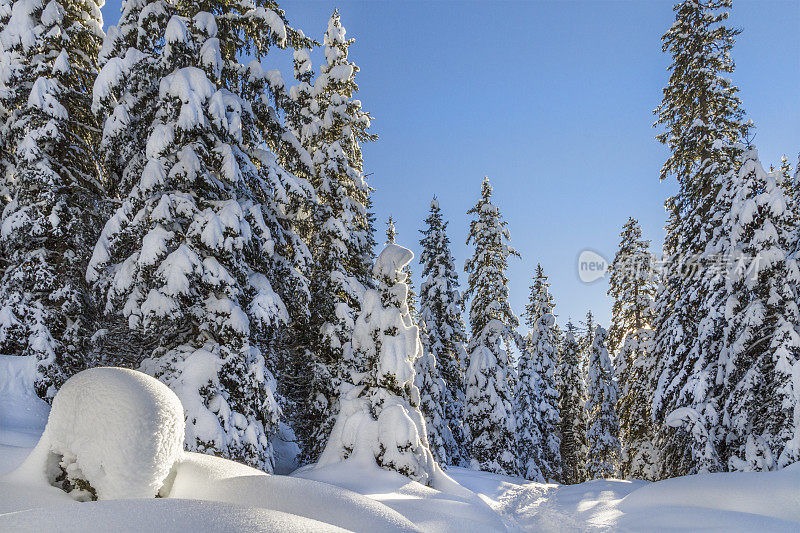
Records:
x=206, y=493
x=117, y=429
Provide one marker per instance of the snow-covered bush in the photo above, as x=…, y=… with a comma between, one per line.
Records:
x=380, y=419
x=113, y=433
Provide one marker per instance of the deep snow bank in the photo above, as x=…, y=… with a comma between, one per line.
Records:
x=448, y=508
x=167, y=516
x=742, y=500
x=117, y=429
x=204, y=477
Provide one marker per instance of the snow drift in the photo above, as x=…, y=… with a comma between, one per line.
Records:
x=112, y=433
x=774, y=495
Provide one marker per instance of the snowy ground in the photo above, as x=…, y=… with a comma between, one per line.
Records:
x=210, y=494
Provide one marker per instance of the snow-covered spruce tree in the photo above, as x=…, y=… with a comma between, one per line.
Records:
x=124, y=101
x=793, y=195
x=585, y=343
x=603, y=427
x=380, y=418
x=441, y=305
x=126, y=90
x=639, y=457
x=537, y=390
x=762, y=366
x=571, y=403
x=6, y=156
x=433, y=392
x=332, y=126
x=51, y=184
x=632, y=285
x=530, y=439
x=428, y=380
x=785, y=180
x=489, y=421
x=702, y=117
x=201, y=250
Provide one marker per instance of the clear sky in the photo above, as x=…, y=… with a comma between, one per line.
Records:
x=553, y=101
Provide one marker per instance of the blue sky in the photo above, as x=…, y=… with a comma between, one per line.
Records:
x=553, y=101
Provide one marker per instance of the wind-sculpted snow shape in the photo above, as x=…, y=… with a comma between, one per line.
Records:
x=112, y=433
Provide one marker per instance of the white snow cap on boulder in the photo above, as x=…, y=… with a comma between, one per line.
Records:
x=118, y=429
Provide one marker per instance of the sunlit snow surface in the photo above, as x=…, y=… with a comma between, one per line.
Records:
x=345, y=496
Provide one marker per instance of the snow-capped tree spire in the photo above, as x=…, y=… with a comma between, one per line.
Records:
x=380, y=418
x=489, y=419
x=391, y=232
x=585, y=343
x=48, y=141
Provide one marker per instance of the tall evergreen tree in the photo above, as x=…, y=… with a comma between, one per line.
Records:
x=571, y=403
x=380, y=413
x=332, y=127
x=433, y=393
x=585, y=343
x=123, y=99
x=763, y=343
x=489, y=419
x=603, y=427
x=703, y=121
x=632, y=285
x=51, y=183
x=6, y=156
x=432, y=388
x=202, y=249
x=530, y=439
x=538, y=392
x=441, y=305
x=639, y=458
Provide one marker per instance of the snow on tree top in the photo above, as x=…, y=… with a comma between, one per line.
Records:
x=391, y=261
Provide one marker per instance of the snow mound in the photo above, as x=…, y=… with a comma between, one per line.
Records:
x=157, y=515
x=203, y=477
x=447, y=508
x=119, y=430
x=773, y=495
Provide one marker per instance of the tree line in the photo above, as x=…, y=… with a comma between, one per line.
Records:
x=169, y=205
